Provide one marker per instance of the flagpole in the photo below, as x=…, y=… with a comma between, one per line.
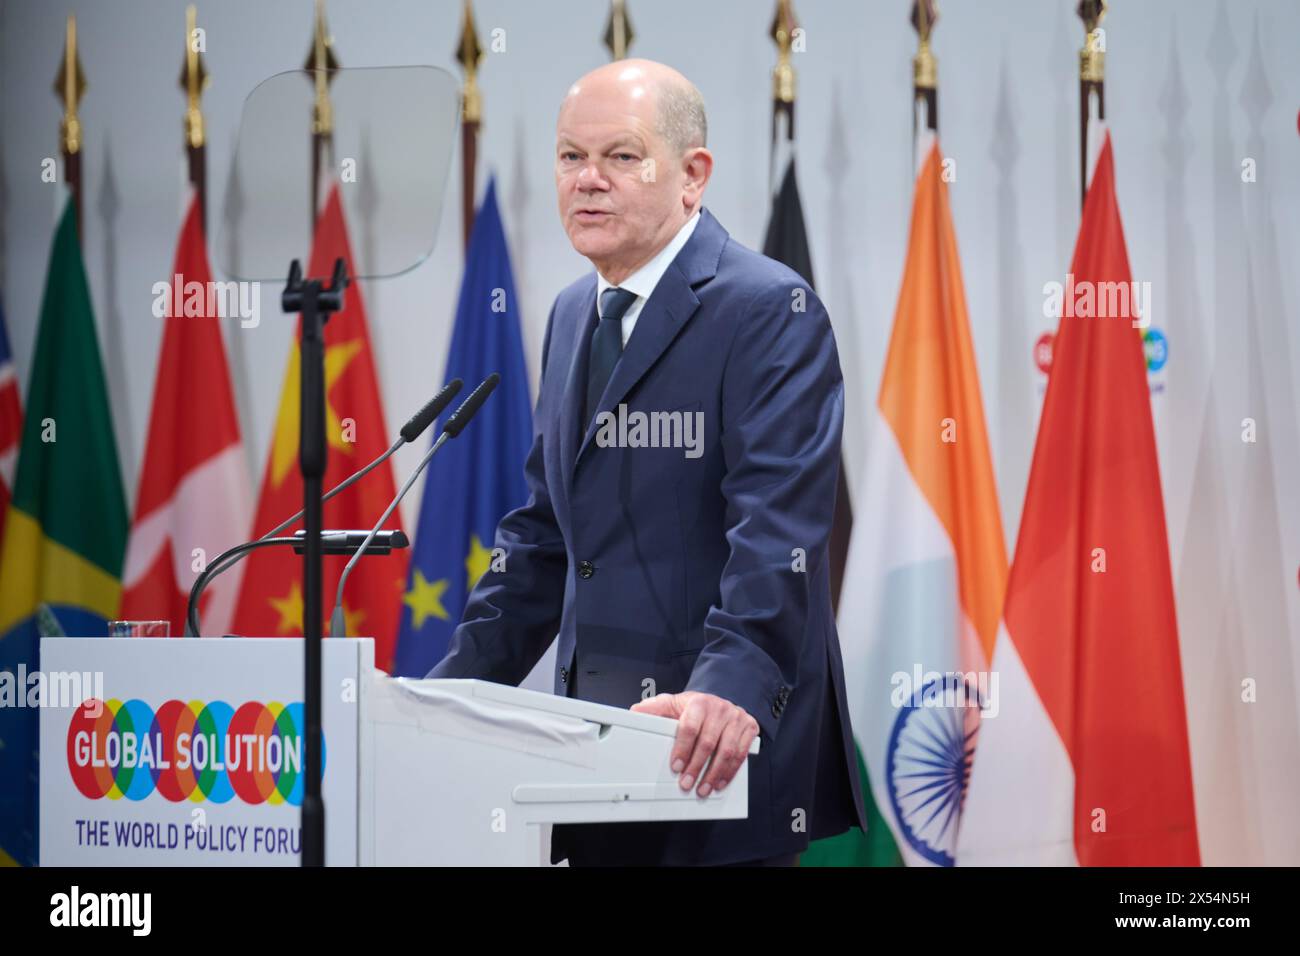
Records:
x=194, y=80
x=618, y=30
x=70, y=87
x=469, y=53
x=321, y=64
x=1092, y=76
x=786, y=238
x=783, y=89
x=925, y=73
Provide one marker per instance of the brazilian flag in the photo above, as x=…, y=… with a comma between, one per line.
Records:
x=65, y=533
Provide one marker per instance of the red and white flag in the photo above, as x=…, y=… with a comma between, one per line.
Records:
x=194, y=495
x=1087, y=760
x=11, y=423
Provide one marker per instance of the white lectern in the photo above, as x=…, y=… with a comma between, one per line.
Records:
x=187, y=752
x=466, y=772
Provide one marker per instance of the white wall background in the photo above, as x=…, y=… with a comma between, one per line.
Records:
x=1193, y=87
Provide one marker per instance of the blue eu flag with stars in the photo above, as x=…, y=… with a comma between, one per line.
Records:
x=475, y=479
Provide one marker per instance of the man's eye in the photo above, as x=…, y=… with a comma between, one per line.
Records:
x=625, y=157
x=568, y=156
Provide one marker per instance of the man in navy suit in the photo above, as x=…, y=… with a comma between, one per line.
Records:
x=682, y=484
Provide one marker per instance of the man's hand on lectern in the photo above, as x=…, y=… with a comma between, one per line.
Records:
x=707, y=727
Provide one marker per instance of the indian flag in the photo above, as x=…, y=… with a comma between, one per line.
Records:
x=927, y=566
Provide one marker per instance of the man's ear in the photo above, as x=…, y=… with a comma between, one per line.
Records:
x=697, y=167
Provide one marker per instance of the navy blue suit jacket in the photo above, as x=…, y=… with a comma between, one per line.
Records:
x=666, y=573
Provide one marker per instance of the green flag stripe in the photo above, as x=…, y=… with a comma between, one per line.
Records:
x=68, y=477
x=876, y=847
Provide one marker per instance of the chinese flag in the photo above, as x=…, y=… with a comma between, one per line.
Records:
x=270, y=600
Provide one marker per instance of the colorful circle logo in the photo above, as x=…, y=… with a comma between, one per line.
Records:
x=1155, y=350
x=1156, y=347
x=188, y=751
x=1043, y=353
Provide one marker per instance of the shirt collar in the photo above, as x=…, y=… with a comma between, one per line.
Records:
x=643, y=281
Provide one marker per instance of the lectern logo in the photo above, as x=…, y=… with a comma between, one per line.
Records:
x=192, y=751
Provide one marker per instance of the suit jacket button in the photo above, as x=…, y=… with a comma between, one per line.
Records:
x=586, y=569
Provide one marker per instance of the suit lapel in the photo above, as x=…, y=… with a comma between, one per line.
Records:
x=665, y=313
x=575, y=385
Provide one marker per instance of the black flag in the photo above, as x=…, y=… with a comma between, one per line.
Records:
x=787, y=242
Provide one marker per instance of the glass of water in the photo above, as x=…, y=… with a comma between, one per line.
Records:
x=139, y=629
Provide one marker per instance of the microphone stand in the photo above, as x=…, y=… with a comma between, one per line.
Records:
x=315, y=302
x=414, y=427
x=332, y=542
x=338, y=620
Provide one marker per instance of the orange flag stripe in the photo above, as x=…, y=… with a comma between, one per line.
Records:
x=929, y=387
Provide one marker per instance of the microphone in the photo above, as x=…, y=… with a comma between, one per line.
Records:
x=458, y=419
x=454, y=425
x=426, y=416
x=415, y=426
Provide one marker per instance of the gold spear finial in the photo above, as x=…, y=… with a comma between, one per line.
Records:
x=194, y=80
x=1092, y=56
x=783, y=27
x=925, y=68
x=70, y=87
x=469, y=53
x=618, y=30
x=322, y=63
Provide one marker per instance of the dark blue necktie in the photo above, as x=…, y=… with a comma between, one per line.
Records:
x=606, y=345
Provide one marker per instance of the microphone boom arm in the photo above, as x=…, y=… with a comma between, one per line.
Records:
x=338, y=621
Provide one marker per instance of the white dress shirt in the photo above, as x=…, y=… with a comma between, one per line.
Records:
x=643, y=281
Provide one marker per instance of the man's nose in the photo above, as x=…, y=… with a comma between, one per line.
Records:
x=591, y=179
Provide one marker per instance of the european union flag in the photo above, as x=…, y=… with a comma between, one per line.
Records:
x=476, y=479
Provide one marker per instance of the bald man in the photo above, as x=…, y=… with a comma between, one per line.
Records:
x=682, y=484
